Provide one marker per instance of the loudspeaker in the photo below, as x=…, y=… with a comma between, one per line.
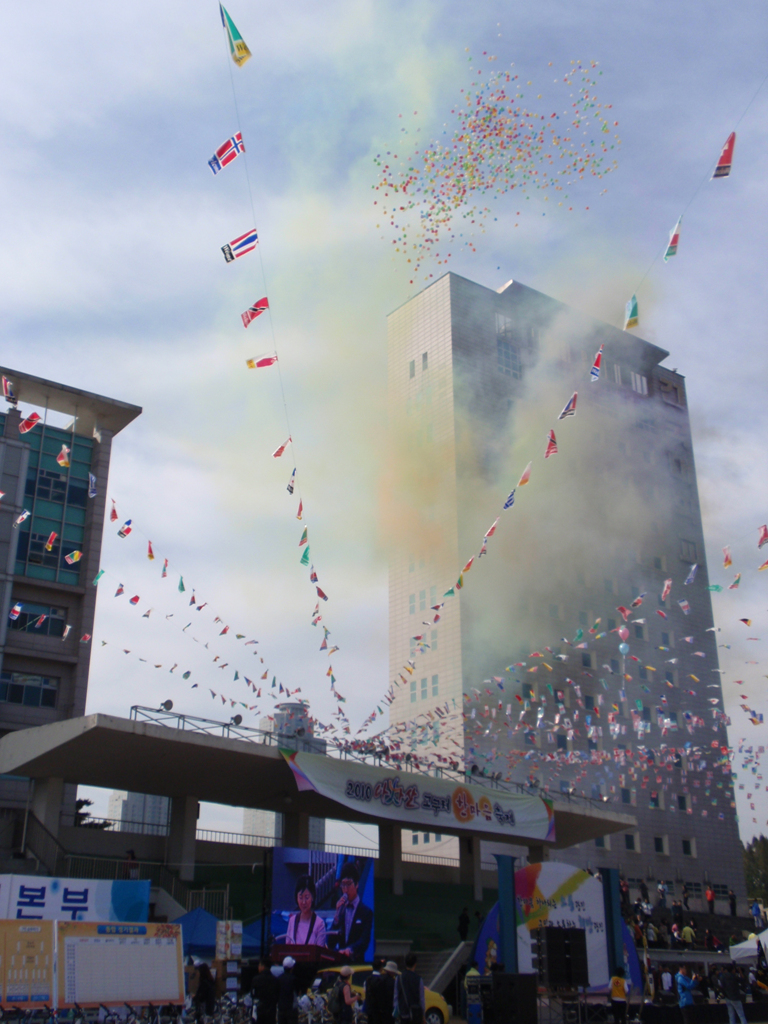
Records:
x=560, y=957
x=514, y=999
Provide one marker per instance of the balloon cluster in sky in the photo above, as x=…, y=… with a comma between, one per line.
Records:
x=503, y=139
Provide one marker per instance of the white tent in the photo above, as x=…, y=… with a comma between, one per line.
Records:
x=747, y=950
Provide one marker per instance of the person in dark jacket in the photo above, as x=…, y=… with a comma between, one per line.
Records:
x=409, y=993
x=463, y=928
x=205, y=997
x=287, y=994
x=264, y=989
x=380, y=995
x=730, y=986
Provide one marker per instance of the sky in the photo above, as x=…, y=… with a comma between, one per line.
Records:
x=112, y=279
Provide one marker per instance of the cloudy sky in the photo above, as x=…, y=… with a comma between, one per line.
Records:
x=113, y=280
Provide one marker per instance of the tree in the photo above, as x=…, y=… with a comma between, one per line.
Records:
x=83, y=818
x=756, y=868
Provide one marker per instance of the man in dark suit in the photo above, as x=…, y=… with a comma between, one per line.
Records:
x=350, y=932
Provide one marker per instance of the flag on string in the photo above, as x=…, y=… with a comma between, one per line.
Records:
x=134, y=600
x=113, y=512
x=192, y=599
x=305, y=556
x=125, y=529
x=526, y=476
x=551, y=445
x=20, y=519
x=570, y=407
x=727, y=560
x=51, y=541
x=490, y=532
x=150, y=552
x=97, y=577
x=72, y=557
x=292, y=481
x=260, y=361
x=238, y=50
x=691, y=575
x=15, y=612
x=8, y=394
x=631, y=319
x=27, y=424
x=763, y=566
x=685, y=607
x=299, y=514
x=65, y=634
x=674, y=241
x=164, y=573
x=666, y=589
x=312, y=575
x=468, y=566
x=276, y=454
x=85, y=638
x=763, y=538
x=253, y=311
x=91, y=485
x=226, y=153
x=594, y=373
x=182, y=588
x=240, y=246
x=321, y=594
x=510, y=500
x=304, y=537
x=736, y=582
x=63, y=457
x=120, y=590
x=725, y=159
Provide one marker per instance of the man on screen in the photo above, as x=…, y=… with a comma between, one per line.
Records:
x=350, y=932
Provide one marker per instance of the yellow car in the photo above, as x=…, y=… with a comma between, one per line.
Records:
x=436, y=1010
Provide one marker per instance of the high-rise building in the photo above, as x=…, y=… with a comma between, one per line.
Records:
x=519, y=653
x=54, y=482
x=142, y=813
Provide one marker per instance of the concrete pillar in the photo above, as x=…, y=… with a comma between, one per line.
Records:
x=296, y=829
x=181, y=836
x=537, y=853
x=390, y=863
x=46, y=802
x=469, y=864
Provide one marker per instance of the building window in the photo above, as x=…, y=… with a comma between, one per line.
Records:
x=422, y=600
x=600, y=842
x=412, y=604
x=54, y=620
x=639, y=383
x=414, y=839
x=658, y=563
x=438, y=837
x=434, y=639
x=689, y=847
x=658, y=844
x=665, y=639
x=29, y=690
x=669, y=675
x=596, y=791
x=642, y=672
x=682, y=802
x=626, y=796
x=426, y=837
x=720, y=891
x=412, y=369
x=530, y=739
x=589, y=702
x=617, y=373
x=614, y=665
x=654, y=802
x=562, y=741
x=586, y=659
x=435, y=686
x=413, y=691
x=629, y=842
x=424, y=689
x=688, y=551
x=639, y=634
x=433, y=595
x=411, y=563
x=508, y=359
x=424, y=361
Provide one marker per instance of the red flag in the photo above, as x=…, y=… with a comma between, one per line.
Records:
x=321, y=594
x=666, y=590
x=281, y=449
x=50, y=542
x=623, y=612
x=763, y=538
x=492, y=530
x=29, y=422
x=725, y=160
x=301, y=509
x=150, y=552
x=257, y=364
x=253, y=311
x=113, y=512
x=551, y=445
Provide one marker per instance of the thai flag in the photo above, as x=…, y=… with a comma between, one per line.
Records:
x=226, y=153
x=240, y=246
x=594, y=373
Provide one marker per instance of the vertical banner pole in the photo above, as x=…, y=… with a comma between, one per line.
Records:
x=505, y=867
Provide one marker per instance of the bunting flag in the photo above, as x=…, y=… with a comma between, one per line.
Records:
x=727, y=560
x=67, y=631
x=8, y=393
x=276, y=454
x=321, y=594
x=490, y=532
x=238, y=50
x=134, y=600
x=763, y=538
x=305, y=556
x=551, y=445
x=312, y=575
x=226, y=153
x=125, y=529
x=72, y=557
x=24, y=515
x=691, y=576
x=631, y=318
x=300, y=513
x=526, y=476
x=91, y=486
x=685, y=607
x=666, y=589
x=27, y=424
x=63, y=457
x=240, y=246
x=120, y=590
x=85, y=638
x=97, y=577
x=51, y=540
x=736, y=582
x=510, y=500
x=763, y=566
x=725, y=159
x=570, y=407
x=292, y=481
x=468, y=566
x=304, y=537
x=150, y=552
x=113, y=512
x=674, y=241
x=261, y=361
x=253, y=311
x=164, y=573
x=594, y=373
x=15, y=612
x=182, y=588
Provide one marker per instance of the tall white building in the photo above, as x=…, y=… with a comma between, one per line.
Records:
x=143, y=813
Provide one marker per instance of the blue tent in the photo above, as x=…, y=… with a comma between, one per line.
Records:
x=198, y=933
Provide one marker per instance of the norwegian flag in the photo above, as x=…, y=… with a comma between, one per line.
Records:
x=594, y=373
x=551, y=445
x=240, y=246
x=226, y=153
x=570, y=407
x=253, y=311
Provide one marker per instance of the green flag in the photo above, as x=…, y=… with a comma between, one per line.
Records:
x=182, y=588
x=237, y=47
x=305, y=556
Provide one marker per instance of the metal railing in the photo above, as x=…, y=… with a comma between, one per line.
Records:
x=43, y=845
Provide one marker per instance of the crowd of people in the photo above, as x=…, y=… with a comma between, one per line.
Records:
x=669, y=984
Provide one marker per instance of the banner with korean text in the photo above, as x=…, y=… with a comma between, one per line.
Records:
x=419, y=800
x=35, y=898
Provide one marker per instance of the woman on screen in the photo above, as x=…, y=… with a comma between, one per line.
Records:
x=305, y=928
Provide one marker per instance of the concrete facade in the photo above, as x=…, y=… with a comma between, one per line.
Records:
x=44, y=660
x=477, y=378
